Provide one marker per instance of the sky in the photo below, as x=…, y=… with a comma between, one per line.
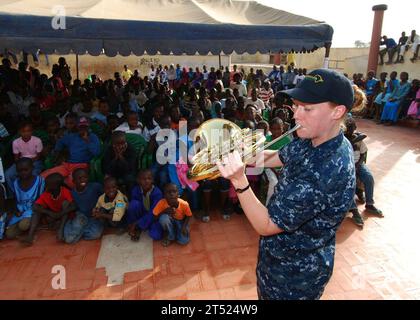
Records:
x=353, y=19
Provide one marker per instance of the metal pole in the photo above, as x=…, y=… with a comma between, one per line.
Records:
x=220, y=60
x=327, y=54
x=77, y=66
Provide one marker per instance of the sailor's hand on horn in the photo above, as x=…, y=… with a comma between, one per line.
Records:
x=232, y=167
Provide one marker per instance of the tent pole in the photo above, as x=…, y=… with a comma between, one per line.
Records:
x=220, y=60
x=77, y=66
x=327, y=54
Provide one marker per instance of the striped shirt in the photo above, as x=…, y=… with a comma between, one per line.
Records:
x=265, y=95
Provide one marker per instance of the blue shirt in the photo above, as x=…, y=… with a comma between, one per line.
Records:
x=402, y=90
x=314, y=193
x=25, y=199
x=389, y=43
x=80, y=151
x=99, y=117
x=370, y=86
x=395, y=84
x=273, y=75
x=155, y=196
x=87, y=199
x=178, y=73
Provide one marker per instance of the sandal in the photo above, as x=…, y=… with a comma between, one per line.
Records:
x=136, y=235
x=165, y=242
x=373, y=210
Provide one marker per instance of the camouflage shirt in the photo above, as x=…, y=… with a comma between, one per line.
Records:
x=315, y=191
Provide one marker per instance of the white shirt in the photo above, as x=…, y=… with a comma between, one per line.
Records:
x=125, y=128
x=171, y=74
x=241, y=88
x=78, y=107
x=163, y=76
x=258, y=103
x=152, y=74
x=298, y=79
x=148, y=133
x=21, y=104
x=141, y=98
x=357, y=153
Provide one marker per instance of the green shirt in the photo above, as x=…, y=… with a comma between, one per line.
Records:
x=279, y=144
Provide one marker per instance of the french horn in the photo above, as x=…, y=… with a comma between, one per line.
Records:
x=216, y=138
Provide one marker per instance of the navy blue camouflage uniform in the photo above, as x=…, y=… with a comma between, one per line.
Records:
x=314, y=193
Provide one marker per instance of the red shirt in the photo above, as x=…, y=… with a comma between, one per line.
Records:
x=47, y=201
x=47, y=102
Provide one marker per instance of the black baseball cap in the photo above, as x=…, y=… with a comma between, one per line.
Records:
x=323, y=85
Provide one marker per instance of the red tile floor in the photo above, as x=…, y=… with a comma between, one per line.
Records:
x=379, y=262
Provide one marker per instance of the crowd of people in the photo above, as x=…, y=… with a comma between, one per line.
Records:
x=389, y=99
x=79, y=157
x=404, y=44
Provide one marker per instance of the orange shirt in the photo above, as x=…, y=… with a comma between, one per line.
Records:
x=175, y=126
x=181, y=212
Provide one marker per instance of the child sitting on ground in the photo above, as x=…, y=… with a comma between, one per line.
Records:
x=55, y=205
x=111, y=206
x=85, y=195
x=27, y=188
x=174, y=216
x=144, y=198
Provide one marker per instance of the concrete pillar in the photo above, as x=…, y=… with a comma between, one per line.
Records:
x=376, y=37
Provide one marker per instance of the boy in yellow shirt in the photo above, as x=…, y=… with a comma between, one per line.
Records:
x=174, y=216
x=111, y=206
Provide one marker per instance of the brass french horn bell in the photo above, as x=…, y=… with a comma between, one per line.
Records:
x=218, y=137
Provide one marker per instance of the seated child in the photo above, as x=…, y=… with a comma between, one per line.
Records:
x=174, y=215
x=101, y=115
x=111, y=206
x=133, y=125
x=82, y=147
x=120, y=161
x=27, y=146
x=70, y=123
x=159, y=169
x=85, y=195
x=263, y=125
x=144, y=198
x=27, y=188
x=54, y=205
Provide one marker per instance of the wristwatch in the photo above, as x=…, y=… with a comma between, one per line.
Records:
x=242, y=190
